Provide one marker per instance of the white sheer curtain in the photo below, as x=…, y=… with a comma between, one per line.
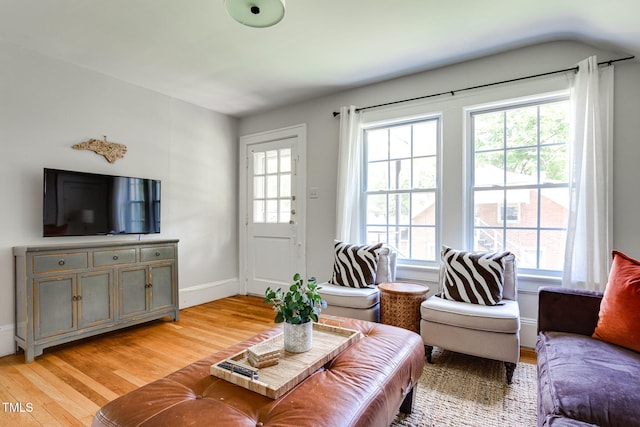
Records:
x=349, y=176
x=588, y=248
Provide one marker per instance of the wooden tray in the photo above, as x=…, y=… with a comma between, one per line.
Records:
x=274, y=381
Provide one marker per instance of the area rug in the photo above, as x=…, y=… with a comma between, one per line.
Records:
x=460, y=390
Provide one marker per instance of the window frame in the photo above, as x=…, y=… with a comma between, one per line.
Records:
x=469, y=217
x=436, y=191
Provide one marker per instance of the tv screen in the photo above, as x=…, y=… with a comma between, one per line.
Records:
x=85, y=204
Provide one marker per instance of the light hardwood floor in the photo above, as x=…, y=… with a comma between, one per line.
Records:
x=68, y=384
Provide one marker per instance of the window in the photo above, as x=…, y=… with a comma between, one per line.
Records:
x=401, y=184
x=519, y=166
x=272, y=186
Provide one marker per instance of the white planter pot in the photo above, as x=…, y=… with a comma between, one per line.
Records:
x=298, y=338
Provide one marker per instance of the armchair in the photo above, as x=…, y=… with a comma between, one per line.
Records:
x=489, y=331
x=360, y=303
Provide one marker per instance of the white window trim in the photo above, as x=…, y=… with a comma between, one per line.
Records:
x=560, y=95
x=438, y=211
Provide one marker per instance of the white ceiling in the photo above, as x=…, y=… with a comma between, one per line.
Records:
x=192, y=50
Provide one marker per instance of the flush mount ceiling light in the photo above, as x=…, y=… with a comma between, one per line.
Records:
x=256, y=13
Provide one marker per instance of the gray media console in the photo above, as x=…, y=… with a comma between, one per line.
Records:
x=73, y=291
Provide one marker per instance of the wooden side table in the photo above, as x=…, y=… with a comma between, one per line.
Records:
x=400, y=304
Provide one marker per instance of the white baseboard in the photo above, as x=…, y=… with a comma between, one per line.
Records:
x=7, y=340
x=528, y=332
x=207, y=292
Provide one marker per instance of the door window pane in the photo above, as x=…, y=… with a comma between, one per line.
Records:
x=258, y=163
x=285, y=160
x=272, y=161
x=272, y=186
x=258, y=187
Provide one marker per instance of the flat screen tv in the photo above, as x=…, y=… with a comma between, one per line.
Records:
x=88, y=204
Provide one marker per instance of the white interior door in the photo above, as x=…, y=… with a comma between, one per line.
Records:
x=273, y=188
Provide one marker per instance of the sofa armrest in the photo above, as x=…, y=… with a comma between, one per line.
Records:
x=568, y=310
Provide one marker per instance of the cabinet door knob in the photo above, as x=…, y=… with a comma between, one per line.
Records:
x=115, y=257
x=158, y=253
x=61, y=262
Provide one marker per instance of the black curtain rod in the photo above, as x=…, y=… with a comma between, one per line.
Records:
x=453, y=92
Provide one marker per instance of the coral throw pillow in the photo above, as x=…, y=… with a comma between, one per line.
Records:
x=619, y=321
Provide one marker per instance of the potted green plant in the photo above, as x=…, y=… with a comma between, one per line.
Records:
x=298, y=308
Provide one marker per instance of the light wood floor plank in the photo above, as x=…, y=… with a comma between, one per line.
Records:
x=57, y=390
x=44, y=410
x=91, y=388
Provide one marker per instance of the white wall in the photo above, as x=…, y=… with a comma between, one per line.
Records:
x=46, y=106
x=322, y=136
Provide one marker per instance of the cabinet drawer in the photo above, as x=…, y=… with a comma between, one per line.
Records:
x=116, y=257
x=157, y=252
x=59, y=262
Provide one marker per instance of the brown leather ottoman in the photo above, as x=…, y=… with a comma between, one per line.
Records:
x=365, y=385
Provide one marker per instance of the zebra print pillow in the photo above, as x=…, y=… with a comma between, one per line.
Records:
x=355, y=265
x=473, y=277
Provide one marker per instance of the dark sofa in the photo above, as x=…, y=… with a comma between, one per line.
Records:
x=582, y=381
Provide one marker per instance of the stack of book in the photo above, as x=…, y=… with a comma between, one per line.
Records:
x=263, y=355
